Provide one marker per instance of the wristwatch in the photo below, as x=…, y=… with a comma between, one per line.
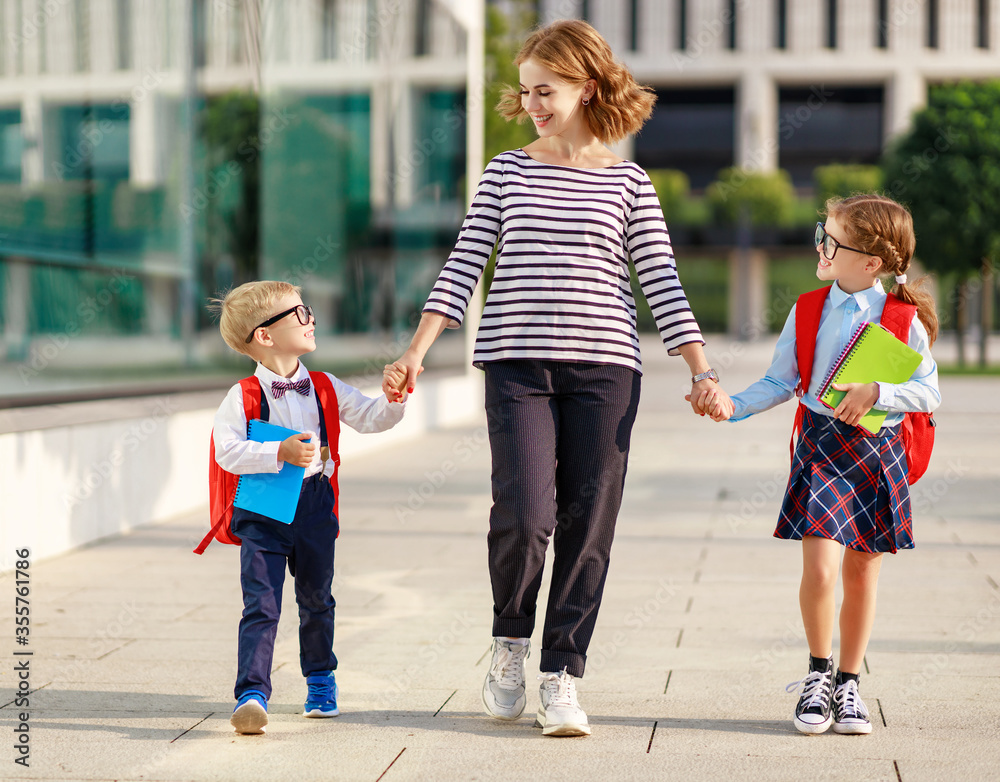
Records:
x=710, y=375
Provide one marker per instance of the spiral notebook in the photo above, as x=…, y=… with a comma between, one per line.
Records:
x=873, y=354
x=271, y=494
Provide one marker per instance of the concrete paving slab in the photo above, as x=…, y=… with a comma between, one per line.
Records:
x=698, y=635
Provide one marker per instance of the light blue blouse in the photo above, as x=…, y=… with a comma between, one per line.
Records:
x=842, y=314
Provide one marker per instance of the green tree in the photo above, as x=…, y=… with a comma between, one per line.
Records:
x=946, y=169
x=766, y=198
x=505, y=32
x=230, y=127
x=839, y=180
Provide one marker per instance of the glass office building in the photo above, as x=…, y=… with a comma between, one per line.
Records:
x=320, y=141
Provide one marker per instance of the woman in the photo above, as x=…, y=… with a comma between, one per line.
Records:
x=559, y=346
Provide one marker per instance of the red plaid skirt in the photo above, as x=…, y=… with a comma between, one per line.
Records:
x=848, y=485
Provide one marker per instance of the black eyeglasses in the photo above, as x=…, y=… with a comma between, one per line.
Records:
x=302, y=312
x=831, y=245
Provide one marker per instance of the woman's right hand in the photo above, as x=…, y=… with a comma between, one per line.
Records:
x=400, y=377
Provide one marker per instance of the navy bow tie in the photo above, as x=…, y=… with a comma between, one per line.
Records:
x=279, y=387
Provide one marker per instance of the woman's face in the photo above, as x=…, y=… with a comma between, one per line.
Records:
x=554, y=105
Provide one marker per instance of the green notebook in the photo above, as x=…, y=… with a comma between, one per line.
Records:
x=873, y=354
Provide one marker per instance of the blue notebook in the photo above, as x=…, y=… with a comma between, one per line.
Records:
x=271, y=494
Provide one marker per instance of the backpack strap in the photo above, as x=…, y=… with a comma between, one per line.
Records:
x=808, y=311
x=329, y=428
x=897, y=317
x=254, y=406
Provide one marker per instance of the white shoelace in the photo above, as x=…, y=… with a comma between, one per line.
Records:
x=849, y=701
x=815, y=689
x=561, y=689
x=508, y=665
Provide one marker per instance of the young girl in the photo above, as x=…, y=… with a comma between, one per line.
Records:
x=559, y=347
x=848, y=488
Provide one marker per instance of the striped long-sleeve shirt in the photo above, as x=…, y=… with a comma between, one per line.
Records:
x=561, y=287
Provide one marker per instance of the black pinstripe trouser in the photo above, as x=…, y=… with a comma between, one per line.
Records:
x=559, y=435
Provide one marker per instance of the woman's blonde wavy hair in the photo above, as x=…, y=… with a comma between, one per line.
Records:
x=884, y=228
x=576, y=52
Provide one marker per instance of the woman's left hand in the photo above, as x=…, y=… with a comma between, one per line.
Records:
x=860, y=398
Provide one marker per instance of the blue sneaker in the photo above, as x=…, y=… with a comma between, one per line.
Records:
x=250, y=715
x=322, y=698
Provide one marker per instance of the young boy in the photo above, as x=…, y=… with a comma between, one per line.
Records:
x=267, y=321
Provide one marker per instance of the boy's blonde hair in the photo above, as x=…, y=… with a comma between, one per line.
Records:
x=243, y=308
x=576, y=52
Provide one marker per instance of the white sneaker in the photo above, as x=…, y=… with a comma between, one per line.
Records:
x=850, y=715
x=503, y=690
x=560, y=713
x=812, y=714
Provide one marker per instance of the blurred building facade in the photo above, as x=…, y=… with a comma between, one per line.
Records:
x=789, y=84
x=331, y=141
x=333, y=133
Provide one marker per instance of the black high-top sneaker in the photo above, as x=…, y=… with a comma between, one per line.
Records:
x=812, y=715
x=850, y=715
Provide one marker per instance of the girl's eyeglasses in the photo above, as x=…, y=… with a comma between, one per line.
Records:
x=302, y=312
x=830, y=245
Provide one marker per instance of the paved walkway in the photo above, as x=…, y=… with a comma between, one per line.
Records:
x=134, y=639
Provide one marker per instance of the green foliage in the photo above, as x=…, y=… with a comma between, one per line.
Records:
x=839, y=181
x=505, y=31
x=946, y=169
x=766, y=197
x=504, y=34
x=230, y=126
x=674, y=191
x=706, y=284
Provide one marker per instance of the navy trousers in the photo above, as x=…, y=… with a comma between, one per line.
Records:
x=559, y=436
x=307, y=546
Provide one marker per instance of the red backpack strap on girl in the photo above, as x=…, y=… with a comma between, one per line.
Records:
x=222, y=484
x=917, y=428
x=808, y=310
x=329, y=424
x=897, y=315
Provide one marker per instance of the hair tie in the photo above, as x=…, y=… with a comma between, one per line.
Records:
x=901, y=279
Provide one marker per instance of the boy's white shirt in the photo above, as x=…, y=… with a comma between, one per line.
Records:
x=237, y=455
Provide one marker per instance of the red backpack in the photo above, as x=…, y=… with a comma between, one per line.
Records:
x=918, y=428
x=222, y=484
